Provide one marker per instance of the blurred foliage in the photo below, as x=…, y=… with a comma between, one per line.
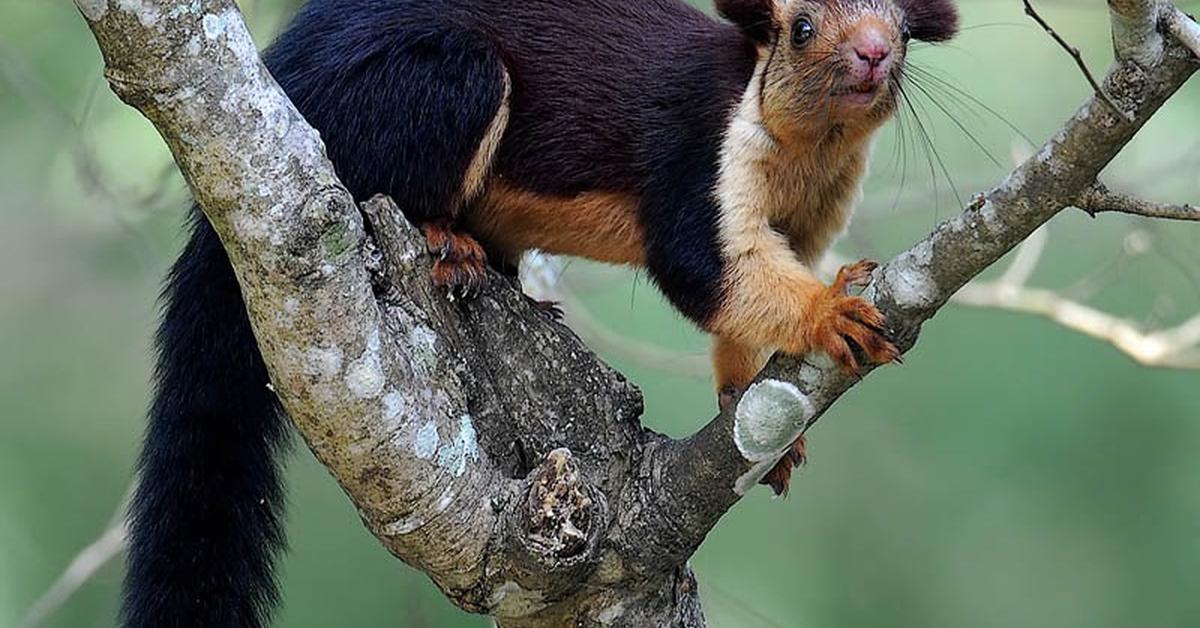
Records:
x=1011, y=473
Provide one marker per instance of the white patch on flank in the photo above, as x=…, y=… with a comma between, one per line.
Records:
x=769, y=417
x=481, y=163
x=511, y=600
x=92, y=9
x=365, y=375
x=453, y=455
x=426, y=443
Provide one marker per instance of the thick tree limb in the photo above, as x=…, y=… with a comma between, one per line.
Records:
x=480, y=442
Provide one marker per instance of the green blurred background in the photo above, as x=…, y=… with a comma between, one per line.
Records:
x=1011, y=473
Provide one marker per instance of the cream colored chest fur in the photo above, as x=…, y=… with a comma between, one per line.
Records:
x=803, y=193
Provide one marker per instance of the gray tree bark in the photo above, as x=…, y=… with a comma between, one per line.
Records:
x=480, y=442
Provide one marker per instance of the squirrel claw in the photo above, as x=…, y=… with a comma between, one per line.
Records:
x=460, y=263
x=550, y=309
x=841, y=322
x=779, y=478
x=857, y=274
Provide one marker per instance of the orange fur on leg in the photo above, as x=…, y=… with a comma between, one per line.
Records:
x=773, y=300
x=734, y=365
x=460, y=263
x=834, y=320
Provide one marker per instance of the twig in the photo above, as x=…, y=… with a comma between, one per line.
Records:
x=1028, y=254
x=1078, y=57
x=1177, y=347
x=1099, y=199
x=83, y=567
x=1185, y=29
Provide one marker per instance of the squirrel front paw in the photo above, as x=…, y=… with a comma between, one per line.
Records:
x=836, y=319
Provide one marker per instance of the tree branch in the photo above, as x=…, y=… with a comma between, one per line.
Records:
x=1076, y=55
x=740, y=445
x=1176, y=347
x=1098, y=199
x=1185, y=29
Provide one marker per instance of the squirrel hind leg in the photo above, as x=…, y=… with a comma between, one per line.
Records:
x=735, y=364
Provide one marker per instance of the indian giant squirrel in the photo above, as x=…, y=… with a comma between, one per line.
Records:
x=722, y=156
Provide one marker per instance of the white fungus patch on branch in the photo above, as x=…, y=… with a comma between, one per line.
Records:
x=453, y=456
x=365, y=375
x=769, y=418
x=909, y=280
x=146, y=13
x=426, y=442
x=323, y=361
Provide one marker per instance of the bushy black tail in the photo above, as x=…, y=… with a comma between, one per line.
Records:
x=206, y=517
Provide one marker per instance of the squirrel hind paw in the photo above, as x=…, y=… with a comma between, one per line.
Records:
x=460, y=263
x=779, y=478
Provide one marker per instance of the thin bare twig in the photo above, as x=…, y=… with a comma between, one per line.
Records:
x=1099, y=199
x=1177, y=347
x=83, y=567
x=1078, y=57
x=1026, y=259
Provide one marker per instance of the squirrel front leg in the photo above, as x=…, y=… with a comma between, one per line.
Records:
x=772, y=300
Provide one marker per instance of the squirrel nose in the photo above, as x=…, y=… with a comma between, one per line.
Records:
x=873, y=55
x=872, y=49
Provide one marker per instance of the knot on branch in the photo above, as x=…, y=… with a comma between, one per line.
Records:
x=559, y=508
x=326, y=229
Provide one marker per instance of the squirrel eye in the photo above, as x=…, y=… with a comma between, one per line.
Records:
x=905, y=32
x=802, y=31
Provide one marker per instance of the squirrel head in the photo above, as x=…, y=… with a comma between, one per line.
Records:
x=835, y=63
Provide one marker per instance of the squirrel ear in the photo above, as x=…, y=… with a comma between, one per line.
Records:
x=753, y=17
x=930, y=20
